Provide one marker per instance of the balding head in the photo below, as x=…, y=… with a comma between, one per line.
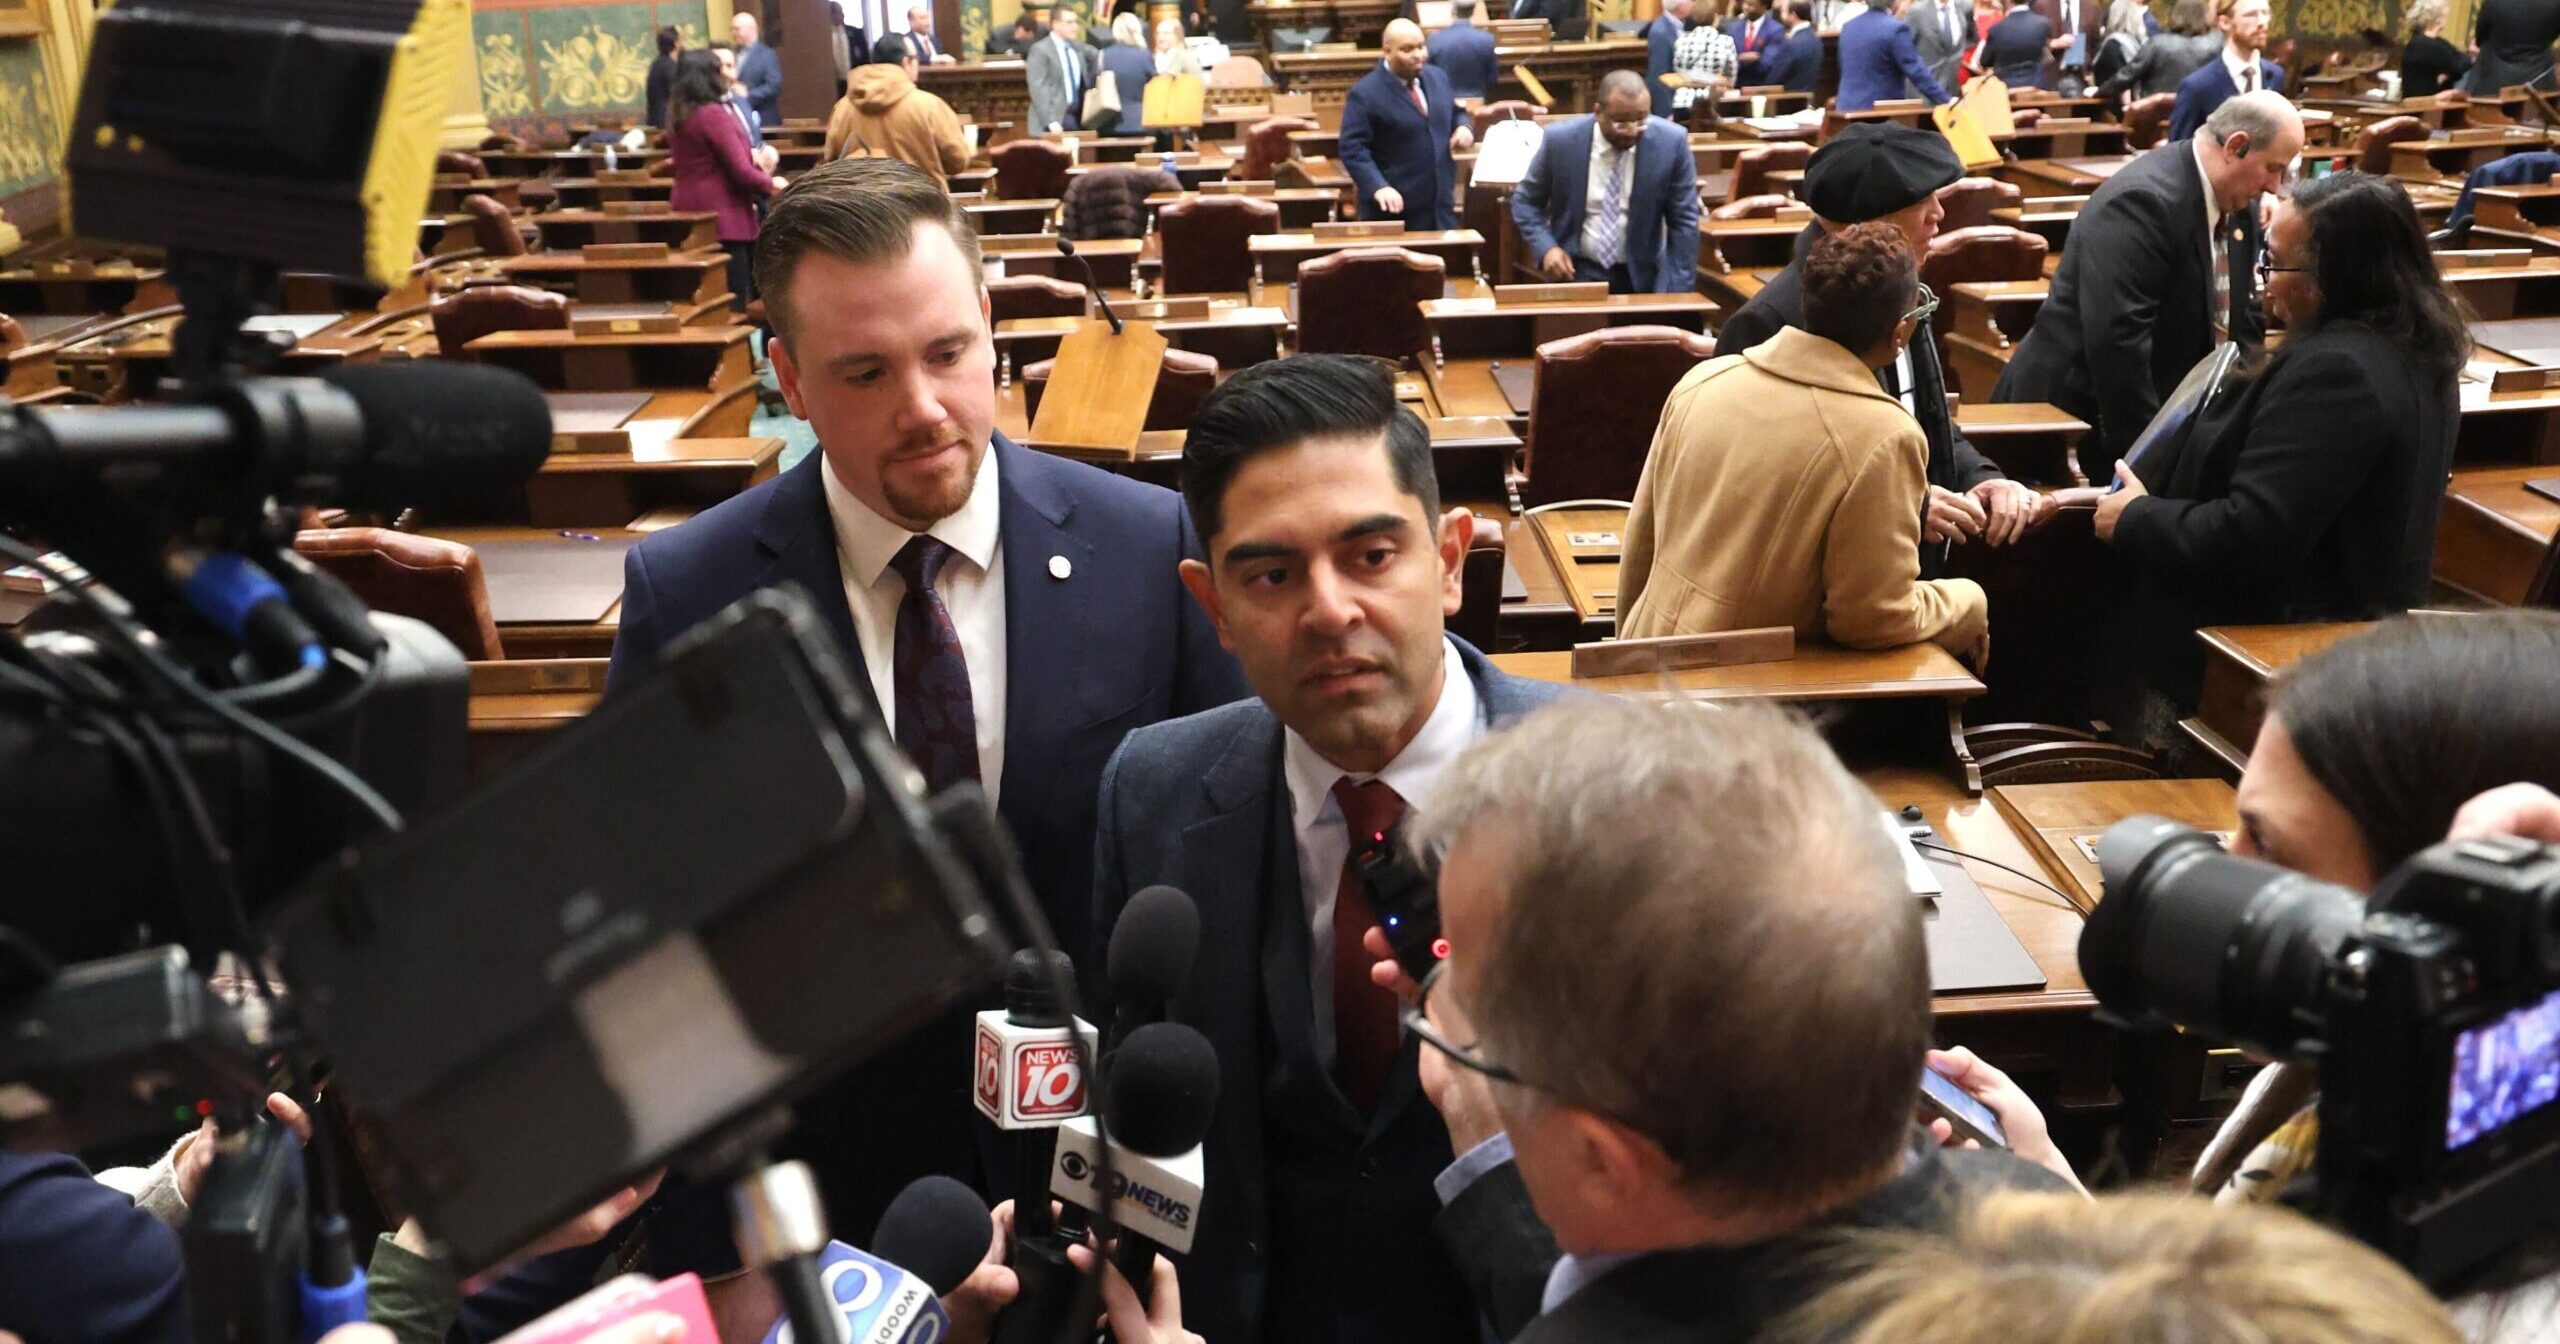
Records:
x=1404, y=48
x=2248, y=145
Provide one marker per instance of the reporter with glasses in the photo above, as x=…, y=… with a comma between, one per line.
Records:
x=1675, y=1059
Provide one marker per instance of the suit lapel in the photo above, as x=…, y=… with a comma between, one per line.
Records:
x=1573, y=178
x=1045, y=611
x=799, y=535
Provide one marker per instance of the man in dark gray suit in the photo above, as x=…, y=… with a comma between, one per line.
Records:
x=1698, y=1045
x=1060, y=68
x=1941, y=30
x=1329, y=571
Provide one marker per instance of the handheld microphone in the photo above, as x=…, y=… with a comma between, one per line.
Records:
x=1067, y=247
x=1149, y=961
x=1029, y=1080
x=1159, y=1100
x=879, y=1302
x=938, y=1228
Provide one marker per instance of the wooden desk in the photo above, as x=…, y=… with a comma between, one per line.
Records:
x=2516, y=426
x=697, y=283
x=1468, y=328
x=998, y=218
x=1237, y=335
x=1277, y=256
x=2065, y=138
x=127, y=360
x=1570, y=70
x=523, y=640
x=1355, y=21
x=2047, y=217
x=1300, y=207
x=1728, y=245
x=1980, y=327
x=2529, y=289
x=444, y=195
x=1115, y=260
x=2055, y=818
x=2062, y=176
x=1101, y=149
x=701, y=358
x=2239, y=661
x=1191, y=170
x=983, y=90
x=2028, y=441
x=2494, y=536
x=587, y=193
x=2454, y=154
x=1469, y=456
x=575, y=490
x=680, y=230
x=515, y=701
x=83, y=289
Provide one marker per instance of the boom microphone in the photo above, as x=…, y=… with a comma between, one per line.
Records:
x=1067, y=248
x=1159, y=1100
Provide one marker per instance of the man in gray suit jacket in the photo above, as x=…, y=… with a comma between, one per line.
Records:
x=1941, y=29
x=1329, y=572
x=1060, y=67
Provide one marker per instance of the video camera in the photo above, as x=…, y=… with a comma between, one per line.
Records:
x=2431, y=1009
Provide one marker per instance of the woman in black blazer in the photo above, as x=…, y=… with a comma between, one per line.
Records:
x=2308, y=493
x=2429, y=65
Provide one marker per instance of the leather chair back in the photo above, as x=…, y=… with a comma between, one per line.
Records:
x=1030, y=170
x=1483, y=115
x=427, y=578
x=1969, y=202
x=1266, y=145
x=1203, y=240
x=2025, y=116
x=1598, y=397
x=13, y=338
x=1752, y=168
x=2147, y=119
x=1752, y=207
x=1480, y=585
x=1984, y=253
x=460, y=161
x=1033, y=296
x=1111, y=202
x=1238, y=73
x=1367, y=301
x=1182, y=383
x=2373, y=144
x=493, y=226
x=467, y=315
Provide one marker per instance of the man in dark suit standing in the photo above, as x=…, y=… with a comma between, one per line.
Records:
x=1400, y=131
x=2016, y=47
x=1941, y=32
x=2240, y=70
x=1878, y=57
x=1754, y=32
x=1661, y=37
x=2158, y=272
x=1464, y=53
x=1613, y=196
x=1060, y=68
x=964, y=577
x=759, y=69
x=1796, y=62
x=1622, y=970
x=1330, y=570
x=1882, y=172
x=1567, y=19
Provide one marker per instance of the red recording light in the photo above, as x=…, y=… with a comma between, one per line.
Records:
x=1439, y=949
x=204, y=1107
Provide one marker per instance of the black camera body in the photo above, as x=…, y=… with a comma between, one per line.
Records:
x=2431, y=1008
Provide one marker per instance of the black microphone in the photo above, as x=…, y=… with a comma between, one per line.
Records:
x=1149, y=961
x=1159, y=1100
x=1029, y=1081
x=1067, y=247
x=937, y=1229
x=372, y=437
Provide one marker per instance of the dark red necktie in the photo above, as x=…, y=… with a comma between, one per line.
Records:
x=1418, y=105
x=1364, y=1015
x=937, y=721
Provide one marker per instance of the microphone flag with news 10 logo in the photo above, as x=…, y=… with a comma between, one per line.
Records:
x=1029, y=1077
x=880, y=1303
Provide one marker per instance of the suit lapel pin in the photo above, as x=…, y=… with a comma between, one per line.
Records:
x=1059, y=568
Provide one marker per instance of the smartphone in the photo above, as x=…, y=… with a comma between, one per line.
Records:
x=1972, y=1120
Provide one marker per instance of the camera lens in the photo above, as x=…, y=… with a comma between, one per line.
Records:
x=2230, y=947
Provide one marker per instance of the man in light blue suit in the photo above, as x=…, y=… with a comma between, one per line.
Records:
x=1878, y=57
x=1613, y=196
x=1329, y=573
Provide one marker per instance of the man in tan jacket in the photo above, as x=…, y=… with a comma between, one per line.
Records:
x=884, y=115
x=1784, y=485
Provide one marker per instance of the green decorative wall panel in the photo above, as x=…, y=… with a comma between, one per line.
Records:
x=30, y=138
x=544, y=67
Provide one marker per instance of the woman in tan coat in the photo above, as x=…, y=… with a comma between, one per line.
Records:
x=1785, y=484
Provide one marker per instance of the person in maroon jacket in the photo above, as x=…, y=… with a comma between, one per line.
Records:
x=708, y=145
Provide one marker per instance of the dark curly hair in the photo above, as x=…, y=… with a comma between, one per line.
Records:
x=1857, y=285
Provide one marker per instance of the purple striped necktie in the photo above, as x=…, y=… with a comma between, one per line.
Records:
x=937, y=722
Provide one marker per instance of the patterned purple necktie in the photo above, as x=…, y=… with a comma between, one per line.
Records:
x=937, y=722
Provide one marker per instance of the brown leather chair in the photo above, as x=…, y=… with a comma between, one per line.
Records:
x=1597, y=398
x=1238, y=74
x=463, y=162
x=13, y=338
x=2024, y=117
x=469, y=314
x=1480, y=585
x=2373, y=144
x=1031, y=170
x=1266, y=145
x=1752, y=207
x=501, y=140
x=2147, y=119
x=538, y=194
x=1752, y=168
x=1483, y=115
x=426, y=578
x=1969, y=202
x=493, y=226
x=1367, y=301
x=1033, y=296
x=1984, y=253
x=1204, y=242
x=1185, y=380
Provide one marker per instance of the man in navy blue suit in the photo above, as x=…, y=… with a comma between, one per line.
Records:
x=1400, y=128
x=1330, y=570
x=1464, y=53
x=1013, y=614
x=1798, y=59
x=1755, y=33
x=759, y=68
x=1661, y=39
x=1877, y=57
x=2238, y=70
x=1639, y=229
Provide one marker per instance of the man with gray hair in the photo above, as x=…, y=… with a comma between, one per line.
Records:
x=1694, y=1048
x=2159, y=271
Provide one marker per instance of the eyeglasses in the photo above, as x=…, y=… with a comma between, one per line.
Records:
x=2268, y=269
x=1469, y=1057
x=1920, y=311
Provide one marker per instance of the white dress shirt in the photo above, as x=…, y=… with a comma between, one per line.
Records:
x=1611, y=169
x=1324, y=841
x=972, y=588
x=2244, y=69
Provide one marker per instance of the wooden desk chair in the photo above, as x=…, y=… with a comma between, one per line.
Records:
x=1029, y=169
x=1752, y=168
x=2146, y=119
x=1969, y=201
x=468, y=164
x=1266, y=144
x=1480, y=584
x=1976, y=255
x=2024, y=117
x=467, y=315
x=493, y=227
x=1238, y=74
x=1484, y=115
x=426, y=578
x=1111, y=202
x=1752, y=207
x=1184, y=381
x=1203, y=240
x=1597, y=399
x=1368, y=301
x=2374, y=142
